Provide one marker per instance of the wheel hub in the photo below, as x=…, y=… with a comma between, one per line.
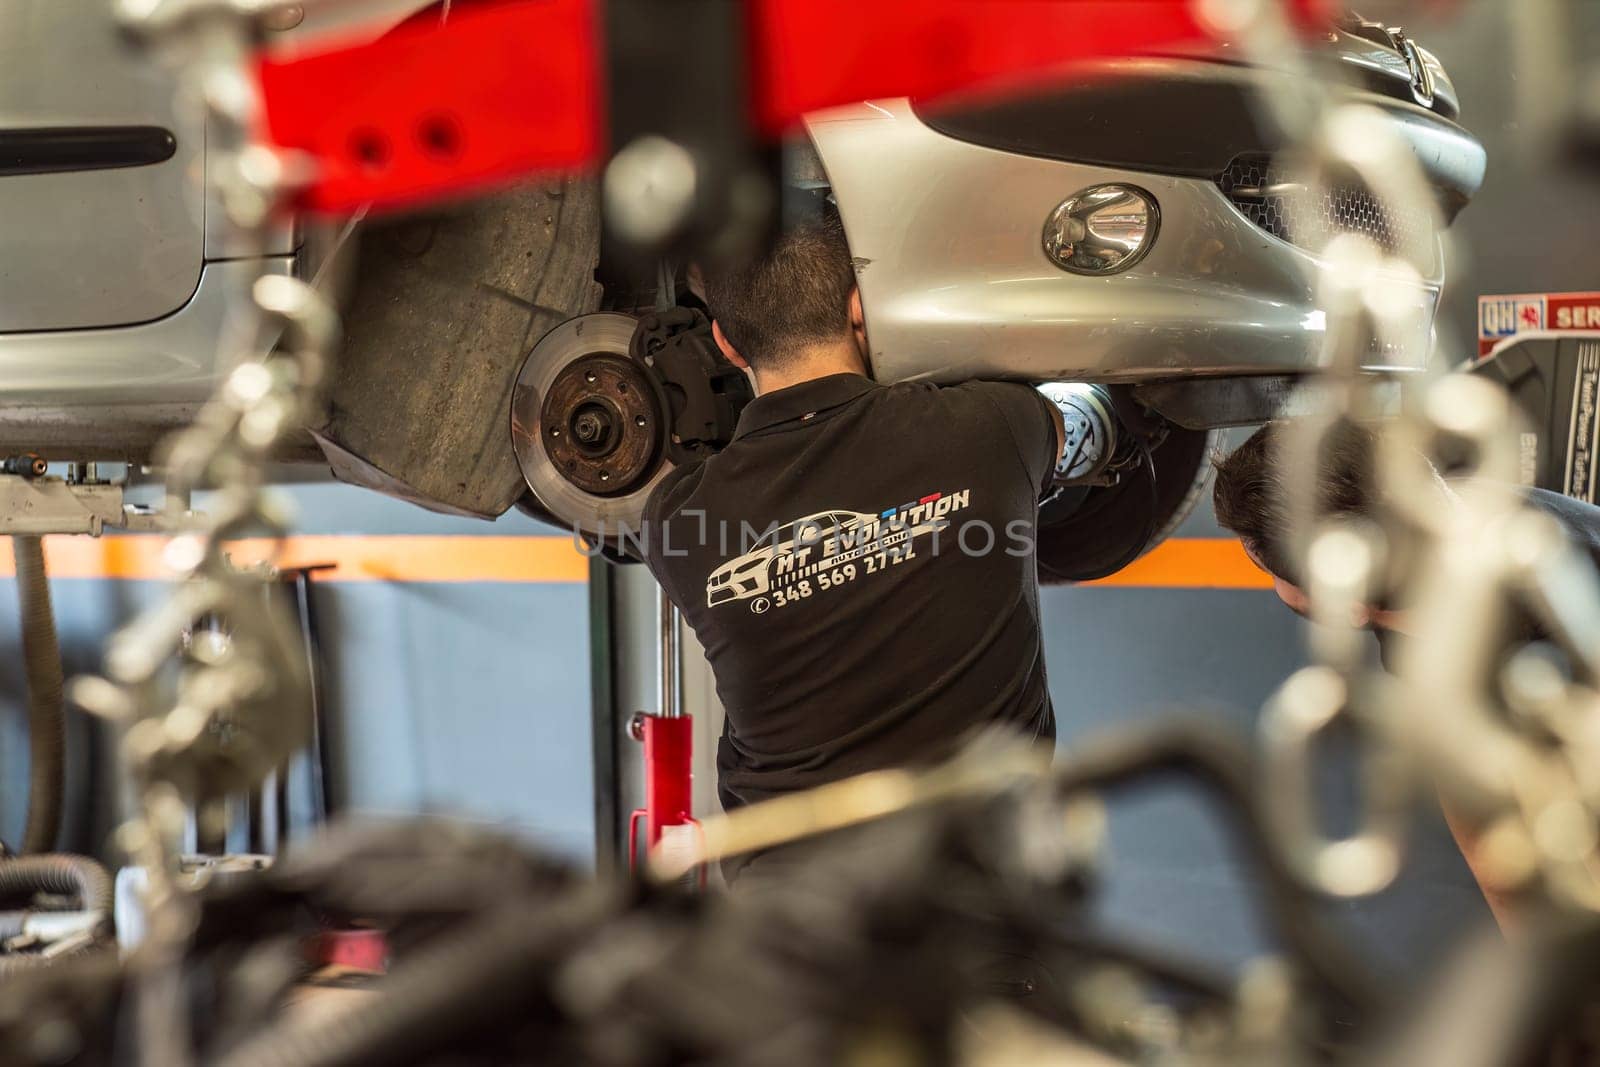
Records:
x=602, y=431
x=587, y=425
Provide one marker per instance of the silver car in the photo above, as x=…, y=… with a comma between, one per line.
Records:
x=1138, y=226
x=111, y=282
x=1131, y=234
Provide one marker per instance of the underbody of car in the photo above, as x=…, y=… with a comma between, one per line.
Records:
x=1134, y=235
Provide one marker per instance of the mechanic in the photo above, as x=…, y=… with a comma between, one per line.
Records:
x=1250, y=500
x=861, y=632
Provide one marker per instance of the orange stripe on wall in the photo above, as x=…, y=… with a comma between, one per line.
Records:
x=397, y=558
x=1190, y=563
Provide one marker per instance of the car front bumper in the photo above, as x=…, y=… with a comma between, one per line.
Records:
x=955, y=283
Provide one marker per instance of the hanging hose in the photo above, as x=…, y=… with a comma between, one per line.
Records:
x=25, y=877
x=41, y=654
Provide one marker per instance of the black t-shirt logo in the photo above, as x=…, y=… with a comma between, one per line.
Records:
x=822, y=551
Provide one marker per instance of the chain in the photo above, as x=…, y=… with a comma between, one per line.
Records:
x=1502, y=728
x=204, y=719
x=1354, y=282
x=1500, y=717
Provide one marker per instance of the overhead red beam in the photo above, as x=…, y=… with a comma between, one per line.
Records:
x=505, y=90
x=429, y=111
x=811, y=54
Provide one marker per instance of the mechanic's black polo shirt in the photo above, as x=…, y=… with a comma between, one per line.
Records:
x=893, y=605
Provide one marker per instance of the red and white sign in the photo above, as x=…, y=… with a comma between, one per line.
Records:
x=1500, y=317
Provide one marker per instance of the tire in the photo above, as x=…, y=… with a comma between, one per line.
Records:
x=1110, y=528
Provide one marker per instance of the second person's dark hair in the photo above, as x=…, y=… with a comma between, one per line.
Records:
x=1250, y=496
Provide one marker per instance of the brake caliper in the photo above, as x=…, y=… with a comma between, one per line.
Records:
x=700, y=390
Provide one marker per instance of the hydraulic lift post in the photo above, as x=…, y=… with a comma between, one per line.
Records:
x=668, y=737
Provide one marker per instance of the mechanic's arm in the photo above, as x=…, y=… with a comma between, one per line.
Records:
x=1035, y=424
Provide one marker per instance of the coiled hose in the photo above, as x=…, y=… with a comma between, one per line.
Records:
x=60, y=875
x=41, y=654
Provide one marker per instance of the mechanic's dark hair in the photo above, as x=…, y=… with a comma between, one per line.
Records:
x=796, y=295
x=1251, y=499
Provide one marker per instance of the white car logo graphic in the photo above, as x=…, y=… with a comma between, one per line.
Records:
x=750, y=574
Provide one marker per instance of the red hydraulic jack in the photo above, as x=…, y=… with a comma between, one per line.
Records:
x=668, y=738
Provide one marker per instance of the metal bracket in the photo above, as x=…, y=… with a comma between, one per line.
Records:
x=56, y=506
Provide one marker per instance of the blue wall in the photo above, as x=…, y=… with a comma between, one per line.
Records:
x=467, y=698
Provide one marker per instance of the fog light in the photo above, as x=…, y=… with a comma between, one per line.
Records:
x=1102, y=230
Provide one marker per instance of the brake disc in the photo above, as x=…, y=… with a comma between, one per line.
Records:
x=588, y=427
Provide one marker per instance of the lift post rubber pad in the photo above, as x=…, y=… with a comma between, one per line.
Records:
x=443, y=309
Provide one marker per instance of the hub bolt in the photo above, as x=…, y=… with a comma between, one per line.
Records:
x=587, y=428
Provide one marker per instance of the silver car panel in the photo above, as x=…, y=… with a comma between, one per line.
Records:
x=106, y=392
x=955, y=283
x=101, y=247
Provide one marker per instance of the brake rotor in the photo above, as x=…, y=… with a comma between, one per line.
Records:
x=587, y=425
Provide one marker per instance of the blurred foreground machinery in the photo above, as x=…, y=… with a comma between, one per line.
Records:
x=955, y=929
x=941, y=916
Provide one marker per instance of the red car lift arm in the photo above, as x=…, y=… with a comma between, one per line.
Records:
x=507, y=89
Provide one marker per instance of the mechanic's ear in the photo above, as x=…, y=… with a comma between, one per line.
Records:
x=1293, y=597
x=728, y=351
x=858, y=320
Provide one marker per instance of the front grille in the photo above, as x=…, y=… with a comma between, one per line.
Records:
x=1280, y=202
